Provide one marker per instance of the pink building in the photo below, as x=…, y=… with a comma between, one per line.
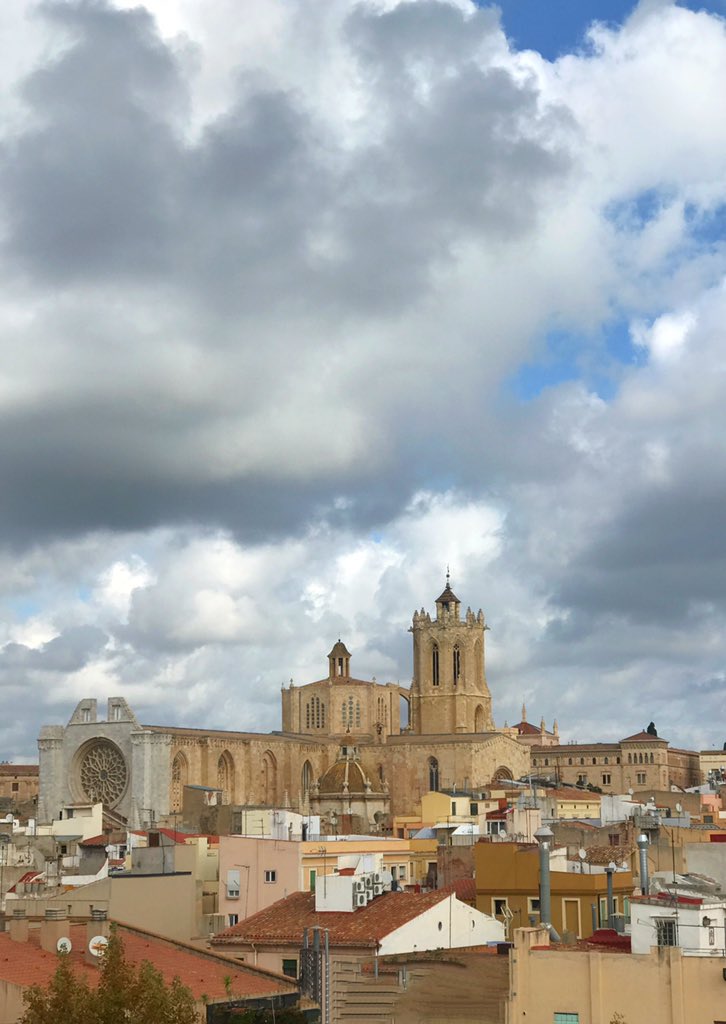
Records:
x=254, y=873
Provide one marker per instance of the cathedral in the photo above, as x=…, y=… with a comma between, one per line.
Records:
x=342, y=752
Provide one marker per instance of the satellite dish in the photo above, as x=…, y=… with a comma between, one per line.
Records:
x=503, y=834
x=630, y=792
x=97, y=945
x=679, y=808
x=64, y=944
x=581, y=853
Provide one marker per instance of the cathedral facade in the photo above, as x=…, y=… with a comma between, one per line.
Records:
x=342, y=751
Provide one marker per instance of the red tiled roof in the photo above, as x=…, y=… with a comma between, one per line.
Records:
x=573, y=794
x=463, y=888
x=25, y=963
x=29, y=876
x=19, y=769
x=285, y=920
x=527, y=729
x=643, y=735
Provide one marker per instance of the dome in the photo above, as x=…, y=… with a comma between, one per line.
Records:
x=345, y=776
x=339, y=650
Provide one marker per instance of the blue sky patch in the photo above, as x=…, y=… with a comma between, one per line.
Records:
x=554, y=29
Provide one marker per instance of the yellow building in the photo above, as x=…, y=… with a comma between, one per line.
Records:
x=410, y=861
x=507, y=886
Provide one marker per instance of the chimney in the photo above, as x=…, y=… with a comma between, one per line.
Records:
x=53, y=927
x=97, y=930
x=18, y=925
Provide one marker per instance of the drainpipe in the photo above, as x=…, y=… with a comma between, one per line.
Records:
x=544, y=837
x=643, y=851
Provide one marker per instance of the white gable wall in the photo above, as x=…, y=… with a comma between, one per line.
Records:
x=448, y=925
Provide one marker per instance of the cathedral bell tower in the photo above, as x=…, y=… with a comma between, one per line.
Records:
x=449, y=692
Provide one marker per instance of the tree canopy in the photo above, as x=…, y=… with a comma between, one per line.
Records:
x=126, y=992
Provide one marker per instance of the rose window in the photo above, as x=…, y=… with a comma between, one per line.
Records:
x=103, y=773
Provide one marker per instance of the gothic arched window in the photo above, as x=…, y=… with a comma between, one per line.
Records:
x=306, y=779
x=225, y=776
x=435, y=665
x=179, y=775
x=457, y=664
x=433, y=774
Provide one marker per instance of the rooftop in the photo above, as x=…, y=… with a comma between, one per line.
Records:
x=25, y=963
x=285, y=920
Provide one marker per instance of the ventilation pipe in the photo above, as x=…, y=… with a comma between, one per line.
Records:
x=609, y=872
x=643, y=844
x=544, y=837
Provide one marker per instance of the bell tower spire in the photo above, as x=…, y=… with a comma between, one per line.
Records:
x=449, y=692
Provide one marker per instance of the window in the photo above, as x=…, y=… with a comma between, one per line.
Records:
x=533, y=904
x=499, y=906
x=566, y=1018
x=474, y=809
x=640, y=778
x=457, y=664
x=666, y=931
x=614, y=838
x=289, y=967
x=453, y=806
x=617, y=760
x=606, y=778
x=16, y=786
x=708, y=819
x=233, y=919
x=582, y=779
x=569, y=760
x=594, y=760
x=402, y=872
x=435, y=665
x=605, y=760
x=86, y=715
x=433, y=774
x=233, y=884
x=270, y=876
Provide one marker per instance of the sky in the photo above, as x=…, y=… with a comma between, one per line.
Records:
x=302, y=302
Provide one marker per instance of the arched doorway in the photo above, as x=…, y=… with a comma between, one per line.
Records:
x=502, y=774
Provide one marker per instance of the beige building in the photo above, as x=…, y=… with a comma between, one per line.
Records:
x=141, y=770
x=601, y=986
x=640, y=762
x=18, y=782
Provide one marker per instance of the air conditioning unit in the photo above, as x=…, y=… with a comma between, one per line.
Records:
x=361, y=899
x=377, y=889
x=359, y=886
x=368, y=879
x=377, y=878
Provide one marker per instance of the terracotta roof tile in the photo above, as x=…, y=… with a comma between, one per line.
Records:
x=463, y=888
x=527, y=729
x=285, y=920
x=643, y=735
x=25, y=963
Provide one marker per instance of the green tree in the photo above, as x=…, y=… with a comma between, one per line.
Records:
x=125, y=992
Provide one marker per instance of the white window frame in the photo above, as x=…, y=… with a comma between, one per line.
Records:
x=270, y=876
